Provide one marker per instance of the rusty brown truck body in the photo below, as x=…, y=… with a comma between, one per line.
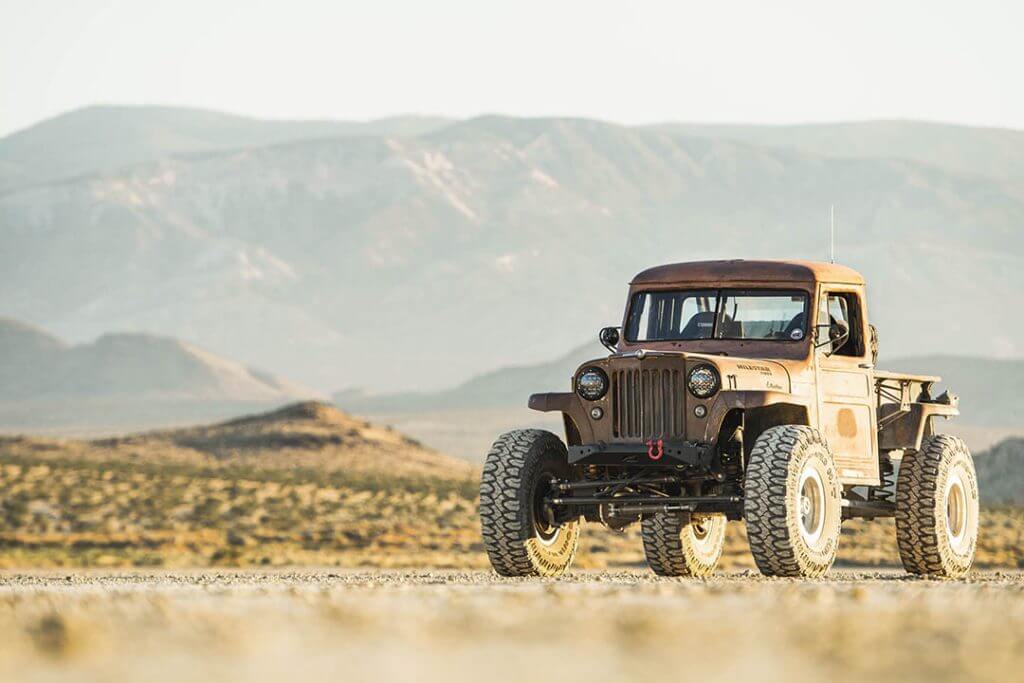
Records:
x=742, y=390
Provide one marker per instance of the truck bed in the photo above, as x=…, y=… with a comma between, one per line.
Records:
x=884, y=375
x=906, y=407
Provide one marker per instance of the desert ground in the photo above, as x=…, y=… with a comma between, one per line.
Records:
x=68, y=505
x=304, y=542
x=471, y=626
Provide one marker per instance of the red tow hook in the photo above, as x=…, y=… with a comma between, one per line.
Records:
x=651, y=443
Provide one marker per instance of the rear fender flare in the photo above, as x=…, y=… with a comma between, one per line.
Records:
x=907, y=431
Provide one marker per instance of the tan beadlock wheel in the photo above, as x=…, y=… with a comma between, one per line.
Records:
x=681, y=545
x=519, y=534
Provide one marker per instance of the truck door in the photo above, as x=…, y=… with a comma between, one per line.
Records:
x=846, y=392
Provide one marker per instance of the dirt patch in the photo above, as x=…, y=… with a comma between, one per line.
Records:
x=467, y=626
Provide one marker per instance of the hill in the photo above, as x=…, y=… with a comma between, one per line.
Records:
x=122, y=380
x=1001, y=473
x=411, y=263
x=307, y=435
x=103, y=138
x=304, y=484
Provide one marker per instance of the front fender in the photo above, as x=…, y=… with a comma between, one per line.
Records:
x=547, y=403
x=747, y=400
x=570, y=405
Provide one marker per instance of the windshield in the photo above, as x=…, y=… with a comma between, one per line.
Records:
x=687, y=315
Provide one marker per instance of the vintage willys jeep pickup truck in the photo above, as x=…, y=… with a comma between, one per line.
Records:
x=735, y=390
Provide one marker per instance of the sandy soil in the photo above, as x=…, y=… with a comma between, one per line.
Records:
x=455, y=626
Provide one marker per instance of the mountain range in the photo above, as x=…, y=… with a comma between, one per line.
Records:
x=987, y=388
x=411, y=254
x=465, y=419
x=122, y=381
x=105, y=138
x=995, y=153
x=506, y=387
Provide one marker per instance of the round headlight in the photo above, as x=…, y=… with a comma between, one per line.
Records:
x=703, y=381
x=592, y=383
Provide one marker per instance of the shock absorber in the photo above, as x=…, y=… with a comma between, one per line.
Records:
x=732, y=456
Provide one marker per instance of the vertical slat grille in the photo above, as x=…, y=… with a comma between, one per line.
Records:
x=647, y=403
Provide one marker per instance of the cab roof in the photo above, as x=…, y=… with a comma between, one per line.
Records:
x=741, y=270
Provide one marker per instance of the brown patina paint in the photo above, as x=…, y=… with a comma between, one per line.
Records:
x=847, y=423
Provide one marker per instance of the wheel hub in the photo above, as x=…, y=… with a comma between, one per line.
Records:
x=700, y=528
x=544, y=526
x=956, y=510
x=811, y=504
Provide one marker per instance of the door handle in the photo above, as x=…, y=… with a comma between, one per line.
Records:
x=866, y=366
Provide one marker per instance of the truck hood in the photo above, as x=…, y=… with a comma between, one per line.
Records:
x=737, y=373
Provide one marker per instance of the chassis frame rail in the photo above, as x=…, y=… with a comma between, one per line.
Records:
x=650, y=503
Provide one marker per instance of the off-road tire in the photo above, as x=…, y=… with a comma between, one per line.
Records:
x=925, y=519
x=678, y=545
x=781, y=462
x=519, y=462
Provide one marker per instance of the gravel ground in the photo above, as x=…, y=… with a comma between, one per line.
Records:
x=282, y=579
x=454, y=626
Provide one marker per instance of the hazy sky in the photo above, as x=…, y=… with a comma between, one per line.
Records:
x=624, y=61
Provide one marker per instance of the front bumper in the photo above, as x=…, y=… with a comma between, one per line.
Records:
x=652, y=453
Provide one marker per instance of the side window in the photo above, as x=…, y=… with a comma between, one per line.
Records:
x=842, y=312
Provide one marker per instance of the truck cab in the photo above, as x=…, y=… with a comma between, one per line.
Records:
x=725, y=380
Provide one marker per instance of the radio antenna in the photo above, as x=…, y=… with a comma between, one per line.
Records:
x=832, y=233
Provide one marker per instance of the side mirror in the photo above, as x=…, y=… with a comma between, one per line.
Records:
x=609, y=337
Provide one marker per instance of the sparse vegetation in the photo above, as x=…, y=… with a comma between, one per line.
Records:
x=59, y=511
x=371, y=499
